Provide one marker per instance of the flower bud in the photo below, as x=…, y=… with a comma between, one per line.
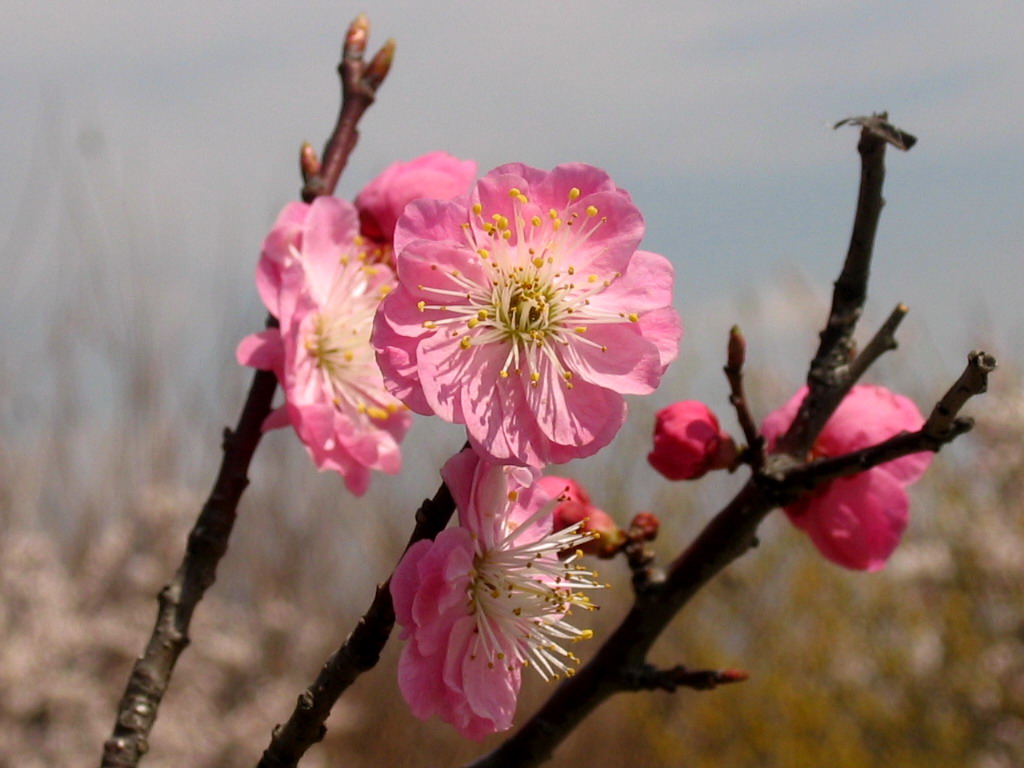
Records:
x=574, y=506
x=688, y=442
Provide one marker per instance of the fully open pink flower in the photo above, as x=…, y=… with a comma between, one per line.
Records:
x=688, y=442
x=315, y=279
x=857, y=521
x=486, y=598
x=436, y=175
x=526, y=312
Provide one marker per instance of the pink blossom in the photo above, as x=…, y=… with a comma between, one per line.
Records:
x=526, y=312
x=436, y=175
x=857, y=521
x=688, y=442
x=486, y=598
x=314, y=278
x=575, y=509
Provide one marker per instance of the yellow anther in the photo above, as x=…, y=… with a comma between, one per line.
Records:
x=535, y=221
x=514, y=192
x=506, y=235
x=567, y=375
x=473, y=322
x=538, y=262
x=482, y=314
x=361, y=408
x=464, y=342
x=429, y=325
x=587, y=634
x=591, y=211
x=633, y=317
x=574, y=193
x=421, y=305
x=534, y=377
x=349, y=357
x=552, y=214
x=392, y=407
x=591, y=278
x=385, y=290
x=522, y=199
x=489, y=228
x=503, y=374
x=483, y=253
x=477, y=208
x=580, y=329
x=513, y=495
x=556, y=224
x=571, y=270
x=376, y=413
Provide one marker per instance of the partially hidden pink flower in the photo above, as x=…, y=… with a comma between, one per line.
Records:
x=688, y=442
x=526, y=312
x=436, y=175
x=857, y=521
x=314, y=277
x=574, y=508
x=487, y=598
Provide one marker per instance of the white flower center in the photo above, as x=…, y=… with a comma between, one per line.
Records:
x=337, y=341
x=521, y=594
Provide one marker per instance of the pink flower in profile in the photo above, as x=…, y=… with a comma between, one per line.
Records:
x=315, y=279
x=688, y=442
x=436, y=175
x=575, y=509
x=857, y=521
x=487, y=598
x=526, y=312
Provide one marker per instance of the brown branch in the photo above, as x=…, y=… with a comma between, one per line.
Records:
x=829, y=378
x=731, y=533
x=359, y=84
x=883, y=341
x=648, y=678
x=208, y=540
x=359, y=653
x=621, y=660
x=207, y=543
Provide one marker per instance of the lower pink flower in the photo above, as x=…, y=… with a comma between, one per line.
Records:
x=574, y=509
x=485, y=599
x=857, y=521
x=315, y=279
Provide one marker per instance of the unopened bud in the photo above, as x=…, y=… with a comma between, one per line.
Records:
x=688, y=442
x=574, y=507
x=645, y=525
x=309, y=163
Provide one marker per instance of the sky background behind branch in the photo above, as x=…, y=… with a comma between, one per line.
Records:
x=151, y=144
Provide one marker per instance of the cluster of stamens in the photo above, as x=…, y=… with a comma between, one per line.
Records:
x=521, y=593
x=534, y=301
x=338, y=340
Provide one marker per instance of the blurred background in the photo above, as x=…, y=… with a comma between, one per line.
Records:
x=146, y=150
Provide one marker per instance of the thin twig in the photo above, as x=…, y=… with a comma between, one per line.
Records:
x=208, y=540
x=359, y=83
x=360, y=652
x=883, y=341
x=649, y=678
x=828, y=378
x=736, y=357
x=621, y=660
x=207, y=543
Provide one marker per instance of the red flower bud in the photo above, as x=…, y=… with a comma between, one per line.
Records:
x=574, y=506
x=688, y=442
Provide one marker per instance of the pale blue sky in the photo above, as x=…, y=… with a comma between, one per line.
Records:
x=156, y=141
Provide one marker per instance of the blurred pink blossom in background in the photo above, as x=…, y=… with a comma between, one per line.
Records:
x=857, y=521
